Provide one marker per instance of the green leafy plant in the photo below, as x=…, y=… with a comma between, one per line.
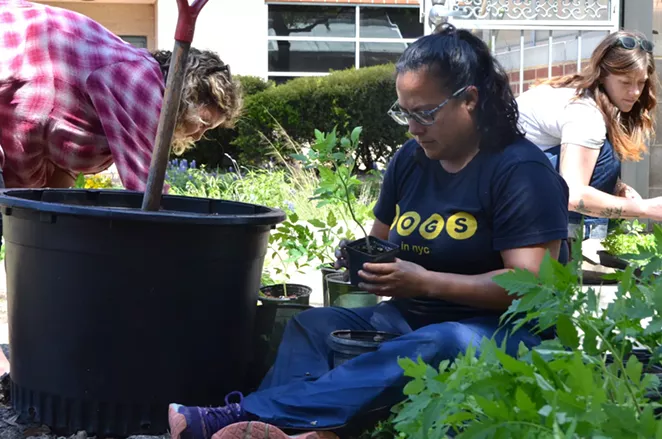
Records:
x=629, y=238
x=597, y=377
x=334, y=160
x=80, y=182
x=295, y=245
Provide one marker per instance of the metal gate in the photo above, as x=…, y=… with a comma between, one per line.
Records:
x=532, y=39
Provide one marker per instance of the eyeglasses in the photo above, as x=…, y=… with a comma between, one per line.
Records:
x=423, y=117
x=632, y=43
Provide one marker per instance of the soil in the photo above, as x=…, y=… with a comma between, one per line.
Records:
x=377, y=249
x=267, y=293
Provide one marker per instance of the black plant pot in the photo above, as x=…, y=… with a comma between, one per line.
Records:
x=611, y=261
x=325, y=271
x=343, y=294
x=276, y=294
x=357, y=255
x=347, y=344
x=270, y=323
x=118, y=291
x=645, y=357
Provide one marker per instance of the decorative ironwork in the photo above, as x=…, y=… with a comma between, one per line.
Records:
x=576, y=10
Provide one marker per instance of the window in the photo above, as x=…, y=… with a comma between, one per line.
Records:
x=312, y=40
x=138, y=41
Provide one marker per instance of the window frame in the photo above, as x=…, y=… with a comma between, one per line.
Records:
x=135, y=36
x=356, y=39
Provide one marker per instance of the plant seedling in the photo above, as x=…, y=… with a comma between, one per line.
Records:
x=334, y=160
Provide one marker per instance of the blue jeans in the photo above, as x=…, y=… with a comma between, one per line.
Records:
x=302, y=391
x=605, y=175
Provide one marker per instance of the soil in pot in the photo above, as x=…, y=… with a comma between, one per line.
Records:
x=285, y=293
x=347, y=344
x=358, y=254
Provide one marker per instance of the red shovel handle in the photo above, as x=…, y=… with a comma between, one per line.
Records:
x=186, y=20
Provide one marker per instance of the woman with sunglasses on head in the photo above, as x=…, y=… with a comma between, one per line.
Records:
x=465, y=200
x=588, y=123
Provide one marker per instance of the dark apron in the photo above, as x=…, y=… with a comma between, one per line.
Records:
x=605, y=176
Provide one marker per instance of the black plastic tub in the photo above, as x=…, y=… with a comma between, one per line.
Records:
x=347, y=344
x=115, y=312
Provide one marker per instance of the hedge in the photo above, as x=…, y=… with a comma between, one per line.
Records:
x=344, y=99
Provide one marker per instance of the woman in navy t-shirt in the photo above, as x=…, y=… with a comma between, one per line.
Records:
x=469, y=198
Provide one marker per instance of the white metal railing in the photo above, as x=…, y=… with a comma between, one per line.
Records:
x=583, y=24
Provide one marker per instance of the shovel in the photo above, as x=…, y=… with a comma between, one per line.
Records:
x=188, y=14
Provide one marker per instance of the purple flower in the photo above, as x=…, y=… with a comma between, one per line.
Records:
x=290, y=205
x=193, y=164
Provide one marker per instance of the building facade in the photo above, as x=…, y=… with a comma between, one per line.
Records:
x=283, y=39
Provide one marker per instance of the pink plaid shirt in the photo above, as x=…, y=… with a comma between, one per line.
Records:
x=73, y=95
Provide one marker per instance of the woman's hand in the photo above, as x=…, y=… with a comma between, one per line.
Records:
x=625, y=191
x=341, y=259
x=394, y=279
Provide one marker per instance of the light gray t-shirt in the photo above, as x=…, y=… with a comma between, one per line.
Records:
x=553, y=116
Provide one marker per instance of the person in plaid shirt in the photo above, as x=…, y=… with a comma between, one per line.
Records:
x=75, y=98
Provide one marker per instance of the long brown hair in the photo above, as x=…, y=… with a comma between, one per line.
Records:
x=628, y=132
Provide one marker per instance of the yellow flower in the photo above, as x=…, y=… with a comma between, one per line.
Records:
x=98, y=182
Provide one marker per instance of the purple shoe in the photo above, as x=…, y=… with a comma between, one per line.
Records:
x=203, y=422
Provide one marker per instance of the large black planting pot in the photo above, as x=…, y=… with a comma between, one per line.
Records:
x=115, y=312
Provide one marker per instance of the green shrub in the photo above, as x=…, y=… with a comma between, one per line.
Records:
x=251, y=85
x=343, y=99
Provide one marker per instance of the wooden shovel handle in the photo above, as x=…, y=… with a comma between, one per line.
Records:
x=171, y=99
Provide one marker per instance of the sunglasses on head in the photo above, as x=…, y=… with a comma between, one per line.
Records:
x=631, y=43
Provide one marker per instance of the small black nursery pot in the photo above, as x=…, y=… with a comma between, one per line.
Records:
x=357, y=255
x=285, y=293
x=348, y=344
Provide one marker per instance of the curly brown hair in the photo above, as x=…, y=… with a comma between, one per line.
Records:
x=207, y=83
x=628, y=132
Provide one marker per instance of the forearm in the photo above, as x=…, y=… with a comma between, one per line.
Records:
x=590, y=201
x=478, y=291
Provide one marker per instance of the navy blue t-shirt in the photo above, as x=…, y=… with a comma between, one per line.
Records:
x=459, y=222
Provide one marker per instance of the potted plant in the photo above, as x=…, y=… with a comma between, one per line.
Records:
x=290, y=239
x=625, y=239
x=334, y=160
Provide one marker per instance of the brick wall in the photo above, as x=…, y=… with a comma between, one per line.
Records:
x=532, y=74
x=119, y=18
